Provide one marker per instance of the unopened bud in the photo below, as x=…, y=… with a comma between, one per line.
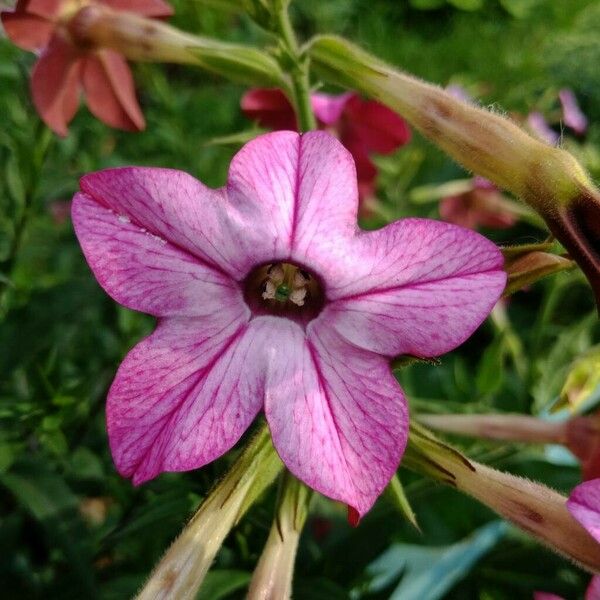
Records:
x=549, y=179
x=536, y=509
x=582, y=381
x=526, y=265
x=583, y=440
x=272, y=579
x=183, y=568
x=144, y=39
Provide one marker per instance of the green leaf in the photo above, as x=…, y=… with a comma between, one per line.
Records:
x=467, y=4
x=431, y=572
x=395, y=493
x=221, y=583
x=427, y=4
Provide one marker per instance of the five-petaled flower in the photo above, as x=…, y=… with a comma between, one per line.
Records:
x=363, y=126
x=270, y=297
x=67, y=64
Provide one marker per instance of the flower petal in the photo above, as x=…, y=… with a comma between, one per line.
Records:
x=26, y=31
x=573, y=117
x=48, y=9
x=374, y=126
x=584, y=505
x=328, y=108
x=337, y=416
x=148, y=8
x=292, y=193
x=145, y=272
x=419, y=287
x=110, y=92
x=593, y=590
x=175, y=206
x=269, y=107
x=185, y=395
x=55, y=84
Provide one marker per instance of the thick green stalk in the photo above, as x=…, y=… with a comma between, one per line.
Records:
x=298, y=68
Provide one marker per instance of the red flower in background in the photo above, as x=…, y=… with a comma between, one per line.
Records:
x=483, y=205
x=65, y=68
x=363, y=126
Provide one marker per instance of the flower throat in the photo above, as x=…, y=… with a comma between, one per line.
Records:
x=284, y=289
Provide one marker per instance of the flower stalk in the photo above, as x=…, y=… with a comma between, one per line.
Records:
x=532, y=507
x=547, y=178
x=143, y=39
x=182, y=569
x=298, y=67
x=272, y=579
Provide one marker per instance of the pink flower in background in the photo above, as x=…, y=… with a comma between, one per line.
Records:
x=539, y=126
x=270, y=298
x=584, y=505
x=573, y=117
x=65, y=68
x=481, y=206
x=363, y=126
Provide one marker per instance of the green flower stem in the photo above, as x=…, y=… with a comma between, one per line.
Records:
x=298, y=67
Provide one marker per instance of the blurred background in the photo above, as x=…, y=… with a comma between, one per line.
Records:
x=70, y=527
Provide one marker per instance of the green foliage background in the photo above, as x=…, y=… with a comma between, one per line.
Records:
x=70, y=527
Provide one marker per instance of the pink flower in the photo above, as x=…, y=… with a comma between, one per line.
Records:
x=573, y=117
x=481, y=206
x=270, y=297
x=363, y=126
x=65, y=66
x=539, y=126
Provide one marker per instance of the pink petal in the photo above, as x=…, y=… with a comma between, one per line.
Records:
x=418, y=287
x=110, y=92
x=175, y=206
x=185, y=395
x=337, y=416
x=374, y=125
x=47, y=9
x=148, y=8
x=572, y=115
x=329, y=108
x=26, y=31
x=593, y=590
x=538, y=124
x=297, y=197
x=55, y=84
x=584, y=505
x=147, y=273
x=546, y=596
x=269, y=107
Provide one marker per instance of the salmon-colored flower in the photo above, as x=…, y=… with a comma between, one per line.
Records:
x=363, y=126
x=483, y=205
x=66, y=65
x=270, y=298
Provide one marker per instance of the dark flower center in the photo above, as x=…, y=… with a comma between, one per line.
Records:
x=284, y=289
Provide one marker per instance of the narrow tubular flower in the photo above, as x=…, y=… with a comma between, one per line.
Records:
x=363, y=126
x=66, y=64
x=270, y=297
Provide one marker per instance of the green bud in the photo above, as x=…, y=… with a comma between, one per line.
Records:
x=549, y=179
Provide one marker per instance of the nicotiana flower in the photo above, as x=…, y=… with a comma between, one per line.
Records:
x=363, y=126
x=67, y=65
x=481, y=206
x=270, y=297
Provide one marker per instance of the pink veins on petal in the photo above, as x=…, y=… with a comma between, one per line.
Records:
x=270, y=298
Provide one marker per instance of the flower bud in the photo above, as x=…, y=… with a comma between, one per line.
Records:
x=507, y=427
x=143, y=39
x=527, y=264
x=549, y=179
x=272, y=579
x=182, y=569
x=536, y=509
